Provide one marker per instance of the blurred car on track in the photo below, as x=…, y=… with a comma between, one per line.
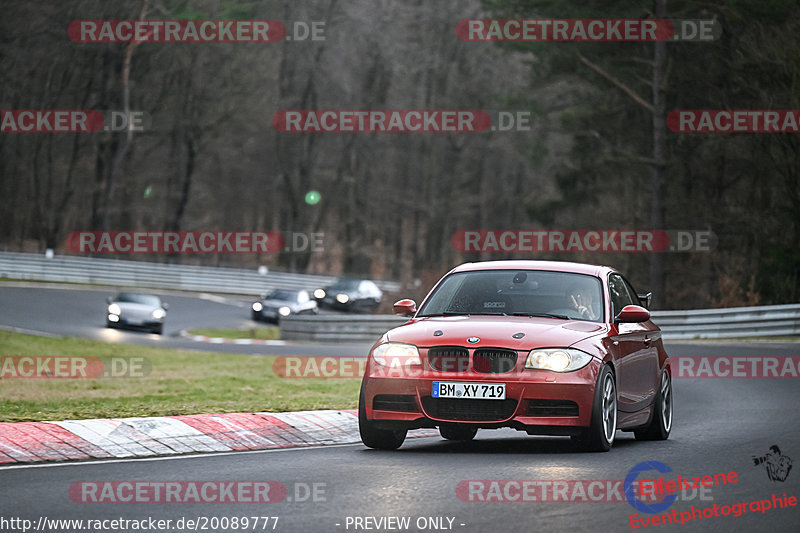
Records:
x=545, y=347
x=134, y=310
x=354, y=295
x=283, y=302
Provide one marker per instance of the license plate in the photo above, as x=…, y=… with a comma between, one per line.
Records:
x=482, y=391
x=133, y=321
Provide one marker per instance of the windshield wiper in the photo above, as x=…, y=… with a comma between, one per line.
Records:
x=542, y=315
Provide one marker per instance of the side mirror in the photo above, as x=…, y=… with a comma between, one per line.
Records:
x=405, y=307
x=644, y=299
x=164, y=306
x=109, y=300
x=633, y=313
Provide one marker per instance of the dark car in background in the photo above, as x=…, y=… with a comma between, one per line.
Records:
x=134, y=310
x=283, y=302
x=354, y=295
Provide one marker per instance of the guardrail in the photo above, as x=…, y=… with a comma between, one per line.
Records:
x=124, y=273
x=735, y=322
x=356, y=328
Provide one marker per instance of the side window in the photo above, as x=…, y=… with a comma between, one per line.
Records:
x=620, y=295
x=632, y=292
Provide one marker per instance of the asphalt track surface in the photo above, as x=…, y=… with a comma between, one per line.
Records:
x=719, y=425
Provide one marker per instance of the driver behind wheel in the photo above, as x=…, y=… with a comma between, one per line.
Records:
x=581, y=300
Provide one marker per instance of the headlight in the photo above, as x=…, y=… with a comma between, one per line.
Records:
x=396, y=354
x=319, y=294
x=114, y=309
x=257, y=307
x=557, y=359
x=284, y=311
x=342, y=298
x=158, y=314
x=113, y=318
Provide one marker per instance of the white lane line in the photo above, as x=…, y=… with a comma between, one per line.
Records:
x=25, y=331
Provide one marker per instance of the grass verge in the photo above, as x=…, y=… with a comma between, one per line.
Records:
x=268, y=333
x=180, y=382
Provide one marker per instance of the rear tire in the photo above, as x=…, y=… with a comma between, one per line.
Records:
x=457, y=432
x=600, y=435
x=661, y=423
x=374, y=437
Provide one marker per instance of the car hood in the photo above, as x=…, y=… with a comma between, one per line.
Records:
x=278, y=303
x=131, y=309
x=495, y=331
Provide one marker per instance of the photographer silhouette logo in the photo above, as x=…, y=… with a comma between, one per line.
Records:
x=776, y=464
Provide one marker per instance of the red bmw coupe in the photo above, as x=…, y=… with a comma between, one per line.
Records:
x=546, y=347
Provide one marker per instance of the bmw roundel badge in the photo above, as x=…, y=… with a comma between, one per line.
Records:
x=473, y=340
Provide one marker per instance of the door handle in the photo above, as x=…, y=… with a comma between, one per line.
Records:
x=647, y=342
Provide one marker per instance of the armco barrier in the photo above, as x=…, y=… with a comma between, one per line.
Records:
x=356, y=328
x=124, y=273
x=765, y=321
x=734, y=322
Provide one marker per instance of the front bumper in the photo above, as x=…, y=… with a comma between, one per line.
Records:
x=136, y=322
x=537, y=401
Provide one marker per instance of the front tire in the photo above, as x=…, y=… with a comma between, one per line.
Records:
x=600, y=435
x=457, y=432
x=374, y=437
x=661, y=423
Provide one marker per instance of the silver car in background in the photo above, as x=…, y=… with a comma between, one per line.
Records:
x=133, y=310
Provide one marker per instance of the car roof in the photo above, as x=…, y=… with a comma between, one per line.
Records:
x=556, y=266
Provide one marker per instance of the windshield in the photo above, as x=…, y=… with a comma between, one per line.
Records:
x=345, y=285
x=146, y=299
x=518, y=292
x=283, y=294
